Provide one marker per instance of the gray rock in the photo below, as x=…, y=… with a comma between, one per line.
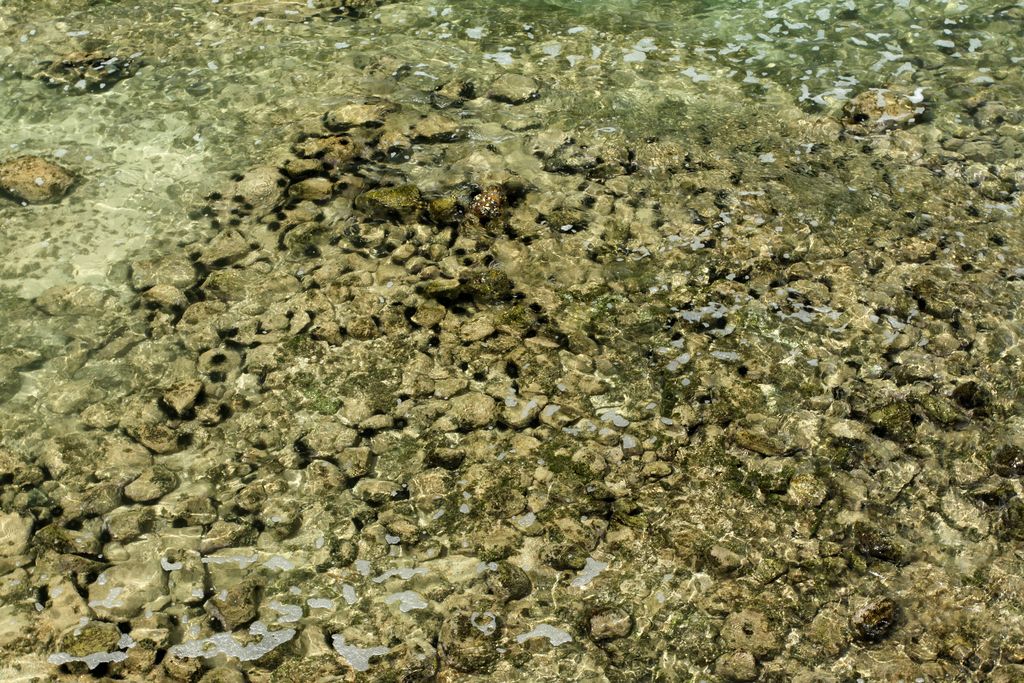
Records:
x=513, y=89
x=34, y=180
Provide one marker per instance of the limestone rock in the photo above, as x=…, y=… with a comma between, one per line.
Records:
x=175, y=270
x=878, y=110
x=513, y=89
x=610, y=624
x=34, y=180
x=356, y=115
x=15, y=530
x=472, y=410
x=152, y=484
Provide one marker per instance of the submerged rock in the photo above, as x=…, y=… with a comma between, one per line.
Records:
x=875, y=620
x=34, y=180
x=513, y=89
x=401, y=201
x=358, y=115
x=80, y=72
x=882, y=109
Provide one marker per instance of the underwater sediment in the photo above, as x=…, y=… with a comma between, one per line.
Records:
x=549, y=351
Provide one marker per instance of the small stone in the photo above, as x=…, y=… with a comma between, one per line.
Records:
x=312, y=188
x=436, y=128
x=166, y=297
x=182, y=397
x=489, y=204
x=429, y=313
x=878, y=110
x=477, y=329
x=509, y=582
x=736, y=666
x=224, y=249
x=259, y=187
x=356, y=115
x=15, y=531
x=34, y=180
x=223, y=534
x=355, y=462
x=121, y=591
x=522, y=413
x=489, y=286
x=175, y=270
x=151, y=485
x=402, y=201
x=610, y=624
x=157, y=438
x=128, y=523
x=222, y=675
x=468, y=641
x=93, y=638
x=724, y=561
x=749, y=631
x=874, y=542
x=234, y=606
x=182, y=668
x=894, y=421
x=513, y=89
x=376, y=491
x=875, y=620
x=472, y=410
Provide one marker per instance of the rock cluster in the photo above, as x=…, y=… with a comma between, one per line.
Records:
x=631, y=408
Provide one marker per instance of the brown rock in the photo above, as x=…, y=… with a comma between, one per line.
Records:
x=34, y=180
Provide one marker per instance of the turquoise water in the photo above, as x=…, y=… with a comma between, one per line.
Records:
x=548, y=341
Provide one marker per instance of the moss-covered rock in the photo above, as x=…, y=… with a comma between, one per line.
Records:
x=95, y=637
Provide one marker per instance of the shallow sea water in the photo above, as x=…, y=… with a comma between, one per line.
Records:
x=548, y=341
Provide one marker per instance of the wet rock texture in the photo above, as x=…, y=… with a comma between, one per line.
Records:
x=631, y=408
x=33, y=180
